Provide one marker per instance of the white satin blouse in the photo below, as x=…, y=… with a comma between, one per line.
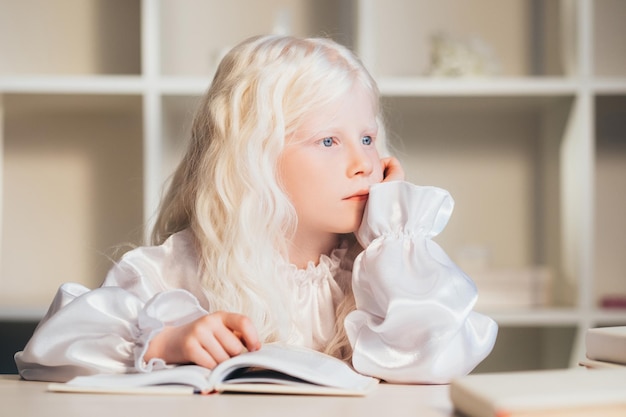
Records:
x=413, y=323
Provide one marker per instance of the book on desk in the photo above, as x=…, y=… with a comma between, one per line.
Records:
x=605, y=347
x=274, y=369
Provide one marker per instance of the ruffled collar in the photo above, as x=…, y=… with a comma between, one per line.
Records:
x=327, y=267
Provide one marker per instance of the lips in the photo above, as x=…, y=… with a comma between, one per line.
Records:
x=360, y=196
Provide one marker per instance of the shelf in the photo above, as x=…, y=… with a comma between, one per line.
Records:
x=477, y=87
x=389, y=86
x=608, y=317
x=555, y=317
x=189, y=86
x=427, y=87
x=609, y=86
x=78, y=84
x=536, y=317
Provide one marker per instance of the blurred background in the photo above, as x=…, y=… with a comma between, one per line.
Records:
x=517, y=107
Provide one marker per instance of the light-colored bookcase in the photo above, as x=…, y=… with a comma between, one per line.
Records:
x=96, y=100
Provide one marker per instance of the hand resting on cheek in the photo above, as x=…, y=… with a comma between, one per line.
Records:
x=392, y=170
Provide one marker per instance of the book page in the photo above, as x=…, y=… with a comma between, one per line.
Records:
x=306, y=364
x=191, y=375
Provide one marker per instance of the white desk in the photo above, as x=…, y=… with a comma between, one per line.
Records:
x=25, y=398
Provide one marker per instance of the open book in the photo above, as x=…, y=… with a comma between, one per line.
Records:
x=275, y=368
x=561, y=392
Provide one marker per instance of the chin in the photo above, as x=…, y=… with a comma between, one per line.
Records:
x=354, y=227
x=349, y=224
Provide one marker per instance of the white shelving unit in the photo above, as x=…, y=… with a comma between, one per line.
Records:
x=94, y=117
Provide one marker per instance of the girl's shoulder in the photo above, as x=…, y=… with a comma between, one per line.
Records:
x=177, y=251
x=177, y=243
x=151, y=269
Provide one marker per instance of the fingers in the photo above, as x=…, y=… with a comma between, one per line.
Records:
x=392, y=170
x=219, y=336
x=244, y=330
x=203, y=354
x=207, y=341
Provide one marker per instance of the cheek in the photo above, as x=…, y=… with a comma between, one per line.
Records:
x=285, y=176
x=295, y=177
x=291, y=184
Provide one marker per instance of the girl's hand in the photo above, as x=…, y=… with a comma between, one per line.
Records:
x=207, y=341
x=392, y=170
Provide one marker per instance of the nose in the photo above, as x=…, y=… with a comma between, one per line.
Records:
x=359, y=162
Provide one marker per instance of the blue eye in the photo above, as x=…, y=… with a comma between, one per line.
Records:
x=328, y=142
x=366, y=140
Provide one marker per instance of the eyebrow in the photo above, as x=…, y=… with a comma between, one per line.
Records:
x=334, y=128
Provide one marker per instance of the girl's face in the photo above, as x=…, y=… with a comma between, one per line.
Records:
x=329, y=164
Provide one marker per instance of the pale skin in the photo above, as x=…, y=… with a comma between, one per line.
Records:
x=327, y=167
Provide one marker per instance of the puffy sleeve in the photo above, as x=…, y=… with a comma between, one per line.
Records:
x=108, y=329
x=414, y=320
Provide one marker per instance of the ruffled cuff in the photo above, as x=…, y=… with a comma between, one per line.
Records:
x=171, y=308
x=402, y=208
x=413, y=320
x=105, y=330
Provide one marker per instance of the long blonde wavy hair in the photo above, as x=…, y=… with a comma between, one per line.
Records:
x=226, y=189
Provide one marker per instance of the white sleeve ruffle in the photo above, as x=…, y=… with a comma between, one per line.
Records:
x=105, y=330
x=413, y=321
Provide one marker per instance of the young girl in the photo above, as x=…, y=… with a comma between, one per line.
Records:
x=282, y=223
